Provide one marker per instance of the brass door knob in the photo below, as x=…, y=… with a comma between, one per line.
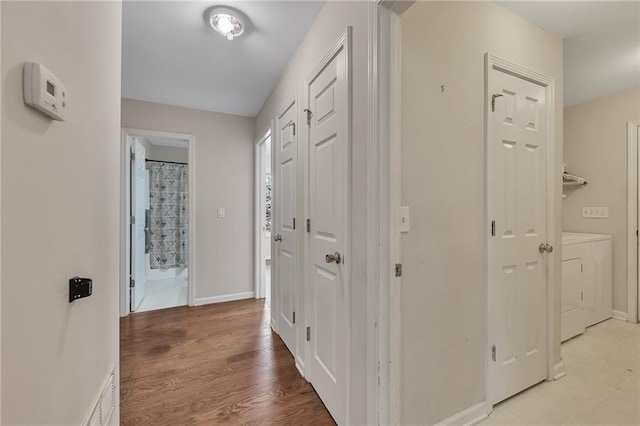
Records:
x=545, y=248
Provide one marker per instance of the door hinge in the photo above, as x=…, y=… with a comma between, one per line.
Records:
x=493, y=353
x=133, y=156
x=308, y=225
x=582, y=267
x=398, y=270
x=133, y=220
x=493, y=228
x=308, y=334
x=493, y=101
x=294, y=317
x=294, y=223
x=309, y=115
x=582, y=296
x=132, y=283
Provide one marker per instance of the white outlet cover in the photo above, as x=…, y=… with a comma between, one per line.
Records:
x=405, y=221
x=221, y=212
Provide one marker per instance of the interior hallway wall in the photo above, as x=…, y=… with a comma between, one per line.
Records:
x=331, y=22
x=443, y=300
x=224, y=178
x=60, y=212
x=595, y=147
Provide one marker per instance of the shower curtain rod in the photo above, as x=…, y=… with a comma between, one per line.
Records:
x=171, y=162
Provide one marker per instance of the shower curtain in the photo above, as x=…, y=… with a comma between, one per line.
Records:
x=168, y=203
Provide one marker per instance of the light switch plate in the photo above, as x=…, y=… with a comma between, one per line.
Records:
x=405, y=222
x=595, y=212
x=220, y=212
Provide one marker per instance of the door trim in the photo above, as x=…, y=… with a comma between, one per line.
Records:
x=492, y=62
x=342, y=43
x=633, y=296
x=125, y=175
x=259, y=287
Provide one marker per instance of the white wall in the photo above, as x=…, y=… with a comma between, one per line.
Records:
x=595, y=147
x=443, y=303
x=60, y=212
x=329, y=25
x=224, y=163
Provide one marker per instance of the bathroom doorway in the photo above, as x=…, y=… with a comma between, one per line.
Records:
x=157, y=221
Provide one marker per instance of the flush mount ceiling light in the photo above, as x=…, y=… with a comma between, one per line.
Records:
x=225, y=21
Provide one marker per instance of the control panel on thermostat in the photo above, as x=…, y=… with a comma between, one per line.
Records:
x=44, y=91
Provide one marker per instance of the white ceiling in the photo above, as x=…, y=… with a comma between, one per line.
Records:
x=171, y=55
x=601, y=43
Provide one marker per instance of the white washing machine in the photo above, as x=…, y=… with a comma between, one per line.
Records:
x=587, y=281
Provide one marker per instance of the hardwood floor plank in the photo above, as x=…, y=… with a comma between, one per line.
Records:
x=214, y=364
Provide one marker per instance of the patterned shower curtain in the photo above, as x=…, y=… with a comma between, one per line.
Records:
x=168, y=227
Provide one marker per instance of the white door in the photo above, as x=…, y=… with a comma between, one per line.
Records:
x=138, y=206
x=517, y=209
x=328, y=214
x=286, y=151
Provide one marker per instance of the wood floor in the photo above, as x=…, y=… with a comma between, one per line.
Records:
x=209, y=365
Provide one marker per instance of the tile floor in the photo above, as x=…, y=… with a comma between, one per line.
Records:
x=602, y=385
x=166, y=293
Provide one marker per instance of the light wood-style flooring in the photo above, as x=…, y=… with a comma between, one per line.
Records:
x=215, y=364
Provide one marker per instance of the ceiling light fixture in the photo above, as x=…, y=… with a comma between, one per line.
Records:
x=226, y=22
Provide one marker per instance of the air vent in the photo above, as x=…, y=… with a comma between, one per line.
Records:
x=106, y=403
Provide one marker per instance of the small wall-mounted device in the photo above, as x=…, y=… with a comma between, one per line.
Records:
x=44, y=91
x=79, y=288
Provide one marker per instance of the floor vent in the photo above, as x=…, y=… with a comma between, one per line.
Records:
x=106, y=403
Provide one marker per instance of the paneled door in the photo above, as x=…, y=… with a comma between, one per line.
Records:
x=285, y=197
x=517, y=144
x=328, y=295
x=138, y=238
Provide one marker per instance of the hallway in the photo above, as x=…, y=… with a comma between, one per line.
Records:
x=212, y=364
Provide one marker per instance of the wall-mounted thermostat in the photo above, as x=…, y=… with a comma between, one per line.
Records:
x=44, y=91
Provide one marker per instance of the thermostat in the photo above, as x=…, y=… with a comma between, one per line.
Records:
x=44, y=91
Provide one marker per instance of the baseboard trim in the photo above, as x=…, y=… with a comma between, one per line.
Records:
x=471, y=416
x=224, y=298
x=619, y=315
x=300, y=368
x=559, y=371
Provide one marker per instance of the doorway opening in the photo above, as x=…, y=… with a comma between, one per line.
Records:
x=263, y=218
x=158, y=221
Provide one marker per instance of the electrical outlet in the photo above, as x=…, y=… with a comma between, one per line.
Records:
x=595, y=212
x=221, y=212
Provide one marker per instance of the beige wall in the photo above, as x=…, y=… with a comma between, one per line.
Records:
x=329, y=25
x=595, y=147
x=60, y=212
x=443, y=301
x=224, y=170
x=167, y=153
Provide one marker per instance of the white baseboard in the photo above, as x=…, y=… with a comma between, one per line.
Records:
x=224, y=298
x=471, y=416
x=619, y=315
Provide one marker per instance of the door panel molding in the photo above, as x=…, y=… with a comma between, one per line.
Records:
x=495, y=63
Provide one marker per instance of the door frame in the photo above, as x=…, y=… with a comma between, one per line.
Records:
x=633, y=293
x=125, y=206
x=259, y=274
x=492, y=63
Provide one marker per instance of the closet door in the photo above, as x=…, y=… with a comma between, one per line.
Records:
x=327, y=271
x=286, y=258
